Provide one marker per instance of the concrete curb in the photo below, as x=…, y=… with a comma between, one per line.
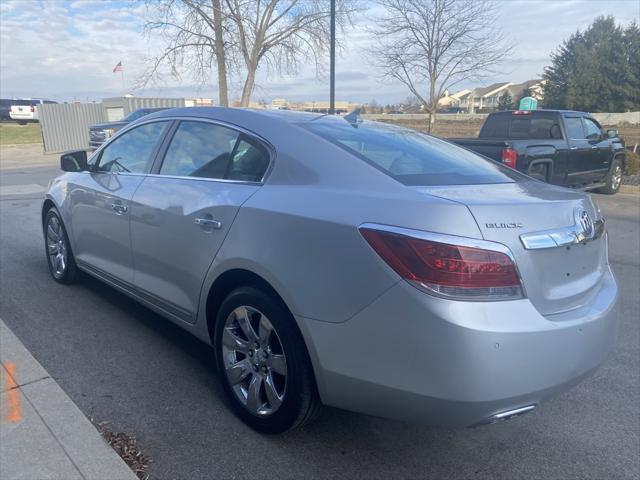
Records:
x=43, y=434
x=630, y=189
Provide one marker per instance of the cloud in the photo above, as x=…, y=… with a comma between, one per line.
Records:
x=70, y=47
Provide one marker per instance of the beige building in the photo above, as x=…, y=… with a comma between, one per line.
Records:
x=449, y=101
x=198, y=102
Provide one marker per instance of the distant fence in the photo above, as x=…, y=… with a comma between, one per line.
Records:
x=65, y=126
x=608, y=119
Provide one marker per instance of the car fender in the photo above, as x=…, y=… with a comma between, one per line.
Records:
x=56, y=194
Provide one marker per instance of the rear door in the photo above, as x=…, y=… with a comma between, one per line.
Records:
x=579, y=162
x=182, y=212
x=101, y=201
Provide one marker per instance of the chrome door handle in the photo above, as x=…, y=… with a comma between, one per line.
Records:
x=208, y=223
x=119, y=208
x=593, y=147
x=574, y=148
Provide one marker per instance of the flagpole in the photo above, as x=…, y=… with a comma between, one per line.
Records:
x=122, y=77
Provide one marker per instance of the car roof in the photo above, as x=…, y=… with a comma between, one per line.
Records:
x=236, y=114
x=544, y=110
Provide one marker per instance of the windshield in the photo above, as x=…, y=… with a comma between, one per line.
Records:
x=411, y=157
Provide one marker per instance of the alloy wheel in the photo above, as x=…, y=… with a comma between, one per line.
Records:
x=56, y=247
x=616, y=178
x=254, y=360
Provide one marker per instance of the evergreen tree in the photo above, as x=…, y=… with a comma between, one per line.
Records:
x=505, y=102
x=596, y=70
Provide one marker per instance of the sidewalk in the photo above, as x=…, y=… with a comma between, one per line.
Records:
x=43, y=434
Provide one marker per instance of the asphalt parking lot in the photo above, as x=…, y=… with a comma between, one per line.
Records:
x=121, y=363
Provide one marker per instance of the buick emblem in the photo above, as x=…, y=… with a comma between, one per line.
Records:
x=584, y=220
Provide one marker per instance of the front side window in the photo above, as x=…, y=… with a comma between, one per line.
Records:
x=593, y=130
x=131, y=151
x=206, y=150
x=411, y=157
x=574, y=127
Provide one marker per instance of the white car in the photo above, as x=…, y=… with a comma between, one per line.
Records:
x=27, y=113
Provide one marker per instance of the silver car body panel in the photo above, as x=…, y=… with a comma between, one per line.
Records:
x=377, y=344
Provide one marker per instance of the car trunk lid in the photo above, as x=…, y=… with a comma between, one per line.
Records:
x=558, y=278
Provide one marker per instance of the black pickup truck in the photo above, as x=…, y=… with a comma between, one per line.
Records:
x=556, y=146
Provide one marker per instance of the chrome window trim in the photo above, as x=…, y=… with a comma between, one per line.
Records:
x=205, y=179
x=268, y=146
x=453, y=240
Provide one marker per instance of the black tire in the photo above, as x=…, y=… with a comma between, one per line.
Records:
x=69, y=273
x=612, y=181
x=300, y=403
x=539, y=172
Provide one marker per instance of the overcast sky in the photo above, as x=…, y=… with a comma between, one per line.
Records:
x=65, y=50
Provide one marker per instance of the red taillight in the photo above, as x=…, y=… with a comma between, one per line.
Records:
x=449, y=270
x=509, y=157
x=33, y=109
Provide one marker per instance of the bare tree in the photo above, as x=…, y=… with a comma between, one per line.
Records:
x=281, y=33
x=241, y=36
x=432, y=45
x=197, y=37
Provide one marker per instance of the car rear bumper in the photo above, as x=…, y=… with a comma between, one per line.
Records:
x=414, y=357
x=22, y=116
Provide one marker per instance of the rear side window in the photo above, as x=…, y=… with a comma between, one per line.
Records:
x=206, y=150
x=411, y=157
x=249, y=163
x=199, y=149
x=574, y=127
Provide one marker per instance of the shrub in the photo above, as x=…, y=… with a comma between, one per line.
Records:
x=633, y=164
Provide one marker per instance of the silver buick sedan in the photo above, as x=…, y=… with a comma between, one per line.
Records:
x=342, y=262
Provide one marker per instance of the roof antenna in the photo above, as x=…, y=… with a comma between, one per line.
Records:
x=354, y=118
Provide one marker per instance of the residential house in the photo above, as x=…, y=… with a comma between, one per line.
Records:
x=452, y=101
x=535, y=87
x=484, y=98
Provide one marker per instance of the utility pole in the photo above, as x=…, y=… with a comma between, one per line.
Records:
x=332, y=67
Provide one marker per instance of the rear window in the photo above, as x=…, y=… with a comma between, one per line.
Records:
x=521, y=126
x=411, y=157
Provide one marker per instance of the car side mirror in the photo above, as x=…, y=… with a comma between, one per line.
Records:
x=612, y=133
x=75, y=161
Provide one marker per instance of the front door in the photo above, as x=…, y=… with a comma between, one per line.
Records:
x=181, y=214
x=580, y=154
x=600, y=150
x=101, y=201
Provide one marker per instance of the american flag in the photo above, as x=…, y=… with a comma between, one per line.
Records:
x=118, y=67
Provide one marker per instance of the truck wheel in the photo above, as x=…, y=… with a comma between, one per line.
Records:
x=613, y=178
x=539, y=172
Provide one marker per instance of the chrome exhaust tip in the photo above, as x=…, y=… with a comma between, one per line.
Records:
x=506, y=415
